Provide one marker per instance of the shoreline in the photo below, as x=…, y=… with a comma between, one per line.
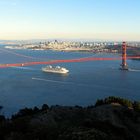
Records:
x=64, y=50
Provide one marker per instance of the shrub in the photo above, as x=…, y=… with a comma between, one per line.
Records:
x=136, y=106
x=113, y=99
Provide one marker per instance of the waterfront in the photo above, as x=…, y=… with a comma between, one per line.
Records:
x=86, y=82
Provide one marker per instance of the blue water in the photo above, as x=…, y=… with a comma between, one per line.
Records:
x=86, y=82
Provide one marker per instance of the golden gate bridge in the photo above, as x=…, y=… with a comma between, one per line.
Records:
x=124, y=57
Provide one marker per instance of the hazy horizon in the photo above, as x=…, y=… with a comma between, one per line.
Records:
x=112, y=20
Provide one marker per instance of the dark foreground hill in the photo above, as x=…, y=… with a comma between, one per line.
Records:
x=107, y=120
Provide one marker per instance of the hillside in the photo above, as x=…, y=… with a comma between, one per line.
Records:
x=108, y=121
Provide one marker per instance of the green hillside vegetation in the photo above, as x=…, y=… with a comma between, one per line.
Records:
x=124, y=102
x=112, y=118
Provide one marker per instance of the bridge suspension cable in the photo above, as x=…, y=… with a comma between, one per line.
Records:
x=65, y=61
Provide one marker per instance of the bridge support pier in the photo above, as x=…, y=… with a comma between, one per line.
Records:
x=124, y=65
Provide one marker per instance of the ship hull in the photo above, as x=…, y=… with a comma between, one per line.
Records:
x=53, y=71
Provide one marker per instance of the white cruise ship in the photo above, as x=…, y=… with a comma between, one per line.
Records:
x=56, y=69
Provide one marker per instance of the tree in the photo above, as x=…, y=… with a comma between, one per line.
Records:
x=136, y=106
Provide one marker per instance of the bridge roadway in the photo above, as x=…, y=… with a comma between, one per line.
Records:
x=64, y=61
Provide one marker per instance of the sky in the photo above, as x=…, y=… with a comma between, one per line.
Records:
x=70, y=19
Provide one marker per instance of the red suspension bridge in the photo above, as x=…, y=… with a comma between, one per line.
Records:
x=123, y=58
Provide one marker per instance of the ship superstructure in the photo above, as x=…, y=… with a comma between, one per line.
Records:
x=56, y=69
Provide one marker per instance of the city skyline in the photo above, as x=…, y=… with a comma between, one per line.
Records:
x=70, y=19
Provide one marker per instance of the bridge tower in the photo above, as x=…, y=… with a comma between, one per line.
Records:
x=124, y=65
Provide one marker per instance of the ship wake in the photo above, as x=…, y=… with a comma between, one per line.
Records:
x=25, y=68
x=134, y=70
